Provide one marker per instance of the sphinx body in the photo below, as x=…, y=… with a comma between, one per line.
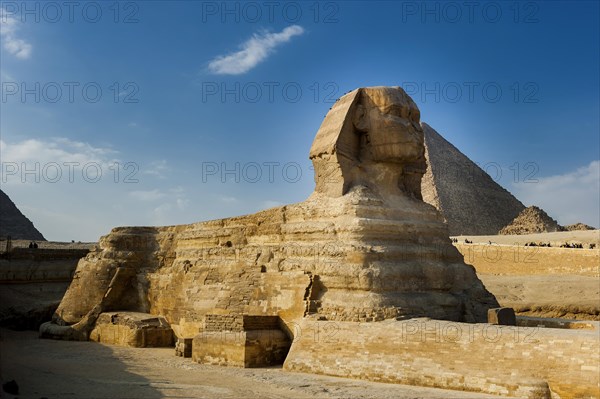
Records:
x=362, y=247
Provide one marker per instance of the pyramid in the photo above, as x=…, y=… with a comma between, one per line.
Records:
x=530, y=221
x=471, y=202
x=579, y=226
x=14, y=224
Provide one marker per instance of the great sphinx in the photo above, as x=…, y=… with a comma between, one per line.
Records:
x=362, y=247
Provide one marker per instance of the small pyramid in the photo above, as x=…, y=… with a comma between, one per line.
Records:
x=14, y=224
x=532, y=220
x=579, y=226
x=469, y=199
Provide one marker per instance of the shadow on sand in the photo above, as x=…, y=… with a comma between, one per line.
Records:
x=66, y=369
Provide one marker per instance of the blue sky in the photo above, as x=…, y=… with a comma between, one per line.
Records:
x=153, y=113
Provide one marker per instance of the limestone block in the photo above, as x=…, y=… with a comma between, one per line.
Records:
x=502, y=316
x=241, y=340
x=254, y=348
x=132, y=329
x=183, y=347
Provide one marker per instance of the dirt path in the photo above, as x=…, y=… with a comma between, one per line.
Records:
x=58, y=369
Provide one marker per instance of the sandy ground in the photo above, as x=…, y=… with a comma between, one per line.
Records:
x=555, y=239
x=562, y=296
x=60, y=369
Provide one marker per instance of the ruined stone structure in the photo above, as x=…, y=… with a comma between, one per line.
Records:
x=347, y=281
x=240, y=340
x=362, y=247
x=132, y=329
x=471, y=202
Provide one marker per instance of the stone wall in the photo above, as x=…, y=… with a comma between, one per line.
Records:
x=241, y=341
x=32, y=283
x=39, y=265
x=240, y=322
x=504, y=360
x=521, y=260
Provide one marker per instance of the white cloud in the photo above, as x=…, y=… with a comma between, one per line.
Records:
x=227, y=199
x=156, y=168
x=569, y=198
x=5, y=76
x=147, y=195
x=80, y=209
x=252, y=52
x=169, y=211
x=33, y=153
x=8, y=32
x=182, y=203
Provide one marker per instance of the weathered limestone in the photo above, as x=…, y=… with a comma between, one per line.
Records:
x=134, y=329
x=502, y=316
x=183, y=347
x=514, y=361
x=363, y=247
x=241, y=341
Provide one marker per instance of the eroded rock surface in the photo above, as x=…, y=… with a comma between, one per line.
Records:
x=132, y=329
x=362, y=247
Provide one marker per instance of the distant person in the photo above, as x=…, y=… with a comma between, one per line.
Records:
x=35, y=245
x=30, y=244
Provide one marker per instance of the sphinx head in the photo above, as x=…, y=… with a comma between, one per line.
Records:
x=388, y=121
x=369, y=132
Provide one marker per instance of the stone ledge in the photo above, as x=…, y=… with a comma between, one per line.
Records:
x=132, y=329
x=504, y=360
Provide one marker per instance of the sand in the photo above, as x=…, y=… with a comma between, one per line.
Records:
x=562, y=296
x=557, y=296
x=555, y=239
x=61, y=369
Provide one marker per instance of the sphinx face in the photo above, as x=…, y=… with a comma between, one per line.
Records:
x=391, y=120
